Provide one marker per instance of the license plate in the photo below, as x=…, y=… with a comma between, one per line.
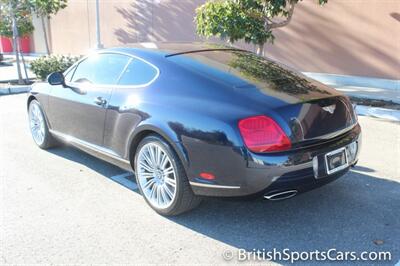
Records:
x=336, y=160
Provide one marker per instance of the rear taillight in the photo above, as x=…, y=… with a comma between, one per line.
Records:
x=263, y=134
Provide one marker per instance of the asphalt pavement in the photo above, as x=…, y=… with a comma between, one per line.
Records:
x=63, y=206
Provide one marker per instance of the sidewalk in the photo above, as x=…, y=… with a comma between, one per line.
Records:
x=8, y=69
x=8, y=74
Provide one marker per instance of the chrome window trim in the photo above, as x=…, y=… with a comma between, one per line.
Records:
x=77, y=84
x=93, y=147
x=197, y=184
x=124, y=69
x=70, y=69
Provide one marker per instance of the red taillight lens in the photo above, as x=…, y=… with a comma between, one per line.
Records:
x=263, y=134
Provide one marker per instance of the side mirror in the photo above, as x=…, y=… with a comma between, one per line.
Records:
x=56, y=78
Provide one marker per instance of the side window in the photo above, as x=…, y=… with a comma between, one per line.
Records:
x=137, y=73
x=102, y=69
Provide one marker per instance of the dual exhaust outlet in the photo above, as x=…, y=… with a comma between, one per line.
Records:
x=281, y=195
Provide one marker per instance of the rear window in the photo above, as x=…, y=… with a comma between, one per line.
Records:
x=241, y=68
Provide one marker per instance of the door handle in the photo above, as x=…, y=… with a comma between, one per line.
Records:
x=100, y=101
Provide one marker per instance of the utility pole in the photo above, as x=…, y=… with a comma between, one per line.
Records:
x=99, y=45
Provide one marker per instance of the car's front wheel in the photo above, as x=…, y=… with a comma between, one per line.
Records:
x=161, y=177
x=38, y=126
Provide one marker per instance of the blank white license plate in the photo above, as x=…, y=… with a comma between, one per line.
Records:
x=336, y=160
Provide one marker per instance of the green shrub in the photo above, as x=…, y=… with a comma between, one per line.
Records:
x=45, y=65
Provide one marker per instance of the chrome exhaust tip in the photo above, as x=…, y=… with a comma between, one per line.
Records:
x=282, y=195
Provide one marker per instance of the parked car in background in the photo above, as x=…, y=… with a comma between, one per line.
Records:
x=197, y=120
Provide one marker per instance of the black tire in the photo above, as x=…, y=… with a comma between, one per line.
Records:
x=185, y=199
x=48, y=141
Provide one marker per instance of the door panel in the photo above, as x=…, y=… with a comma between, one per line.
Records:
x=79, y=115
x=122, y=119
x=81, y=112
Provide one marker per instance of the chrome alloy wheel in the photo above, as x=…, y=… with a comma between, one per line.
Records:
x=36, y=123
x=156, y=175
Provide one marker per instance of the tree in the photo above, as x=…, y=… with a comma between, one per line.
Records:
x=44, y=9
x=250, y=20
x=16, y=17
x=24, y=24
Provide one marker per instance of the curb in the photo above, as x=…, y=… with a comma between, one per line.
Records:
x=355, y=81
x=377, y=112
x=371, y=93
x=14, y=90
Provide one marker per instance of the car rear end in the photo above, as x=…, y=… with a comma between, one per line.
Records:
x=277, y=173
x=310, y=144
x=302, y=168
x=293, y=133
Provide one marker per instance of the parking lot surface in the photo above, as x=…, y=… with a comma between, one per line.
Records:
x=63, y=206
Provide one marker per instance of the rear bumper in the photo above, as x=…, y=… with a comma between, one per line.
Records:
x=275, y=172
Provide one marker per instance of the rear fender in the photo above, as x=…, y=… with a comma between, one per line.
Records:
x=165, y=132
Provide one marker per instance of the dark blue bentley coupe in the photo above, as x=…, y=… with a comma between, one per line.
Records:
x=196, y=120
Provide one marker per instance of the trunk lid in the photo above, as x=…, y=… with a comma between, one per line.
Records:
x=318, y=120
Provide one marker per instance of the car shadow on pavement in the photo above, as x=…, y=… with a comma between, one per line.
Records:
x=351, y=214
x=102, y=167
x=357, y=213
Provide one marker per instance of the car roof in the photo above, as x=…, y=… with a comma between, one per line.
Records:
x=167, y=49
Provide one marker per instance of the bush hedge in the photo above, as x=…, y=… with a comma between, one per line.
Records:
x=45, y=65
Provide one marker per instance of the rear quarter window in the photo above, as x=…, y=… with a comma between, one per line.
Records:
x=138, y=73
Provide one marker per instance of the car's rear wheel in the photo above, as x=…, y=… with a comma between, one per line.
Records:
x=38, y=126
x=161, y=177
